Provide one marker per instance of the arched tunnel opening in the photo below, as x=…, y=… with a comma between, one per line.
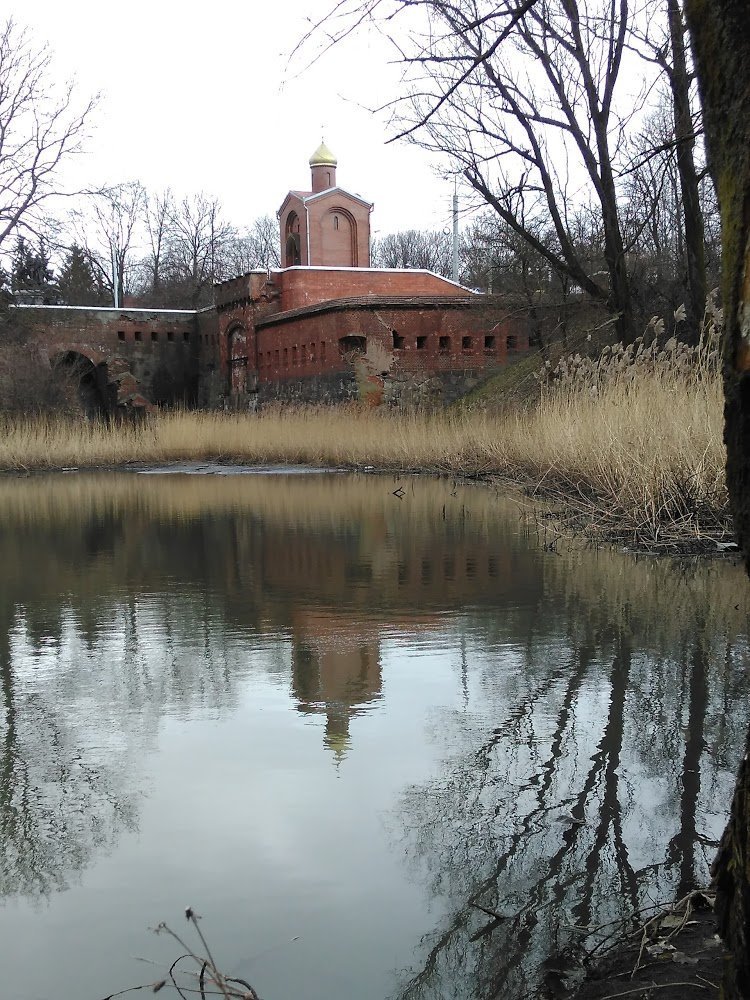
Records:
x=90, y=382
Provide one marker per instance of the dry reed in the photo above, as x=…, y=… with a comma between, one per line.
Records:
x=630, y=443
x=633, y=441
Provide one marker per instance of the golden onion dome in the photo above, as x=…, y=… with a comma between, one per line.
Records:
x=323, y=157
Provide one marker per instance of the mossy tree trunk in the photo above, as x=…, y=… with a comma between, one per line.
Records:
x=720, y=32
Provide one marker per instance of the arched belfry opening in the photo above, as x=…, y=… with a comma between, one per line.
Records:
x=292, y=252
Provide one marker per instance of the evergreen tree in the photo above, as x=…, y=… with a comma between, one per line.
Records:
x=77, y=283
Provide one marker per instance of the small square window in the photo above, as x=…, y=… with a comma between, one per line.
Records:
x=512, y=342
x=444, y=345
x=421, y=343
x=185, y=336
x=121, y=335
x=466, y=343
x=398, y=341
x=154, y=335
x=489, y=342
x=137, y=335
x=170, y=335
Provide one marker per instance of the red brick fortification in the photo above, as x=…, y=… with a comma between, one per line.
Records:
x=324, y=329
x=308, y=322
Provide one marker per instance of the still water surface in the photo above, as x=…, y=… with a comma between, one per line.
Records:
x=330, y=720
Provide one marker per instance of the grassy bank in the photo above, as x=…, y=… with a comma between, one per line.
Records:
x=632, y=452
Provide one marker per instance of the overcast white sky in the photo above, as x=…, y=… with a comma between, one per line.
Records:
x=202, y=97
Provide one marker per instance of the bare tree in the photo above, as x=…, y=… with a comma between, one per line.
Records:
x=525, y=97
x=198, y=237
x=263, y=237
x=653, y=218
x=108, y=229
x=695, y=259
x=415, y=248
x=41, y=127
x=158, y=212
x=252, y=248
x=663, y=42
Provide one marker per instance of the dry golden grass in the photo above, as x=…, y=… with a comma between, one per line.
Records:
x=309, y=436
x=633, y=441
x=633, y=447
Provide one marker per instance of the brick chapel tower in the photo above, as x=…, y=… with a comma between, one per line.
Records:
x=326, y=226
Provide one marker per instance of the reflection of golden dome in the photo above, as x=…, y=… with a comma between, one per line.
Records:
x=323, y=157
x=337, y=732
x=339, y=743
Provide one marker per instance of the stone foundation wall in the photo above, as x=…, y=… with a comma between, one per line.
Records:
x=328, y=388
x=405, y=389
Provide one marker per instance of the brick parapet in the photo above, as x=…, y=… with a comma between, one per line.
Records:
x=308, y=286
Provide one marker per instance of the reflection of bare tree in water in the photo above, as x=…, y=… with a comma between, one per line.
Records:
x=81, y=696
x=547, y=822
x=681, y=851
x=59, y=806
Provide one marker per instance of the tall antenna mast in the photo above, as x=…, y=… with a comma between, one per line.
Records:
x=455, y=228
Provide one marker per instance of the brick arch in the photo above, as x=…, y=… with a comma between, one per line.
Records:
x=91, y=354
x=339, y=238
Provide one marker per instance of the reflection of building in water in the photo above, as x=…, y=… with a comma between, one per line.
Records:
x=388, y=569
x=377, y=574
x=335, y=672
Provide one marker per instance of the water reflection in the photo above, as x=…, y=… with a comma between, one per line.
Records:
x=336, y=678
x=573, y=761
x=601, y=787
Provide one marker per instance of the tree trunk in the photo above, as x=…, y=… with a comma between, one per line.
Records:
x=620, y=297
x=721, y=40
x=695, y=305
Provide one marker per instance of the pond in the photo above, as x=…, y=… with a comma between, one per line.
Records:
x=331, y=713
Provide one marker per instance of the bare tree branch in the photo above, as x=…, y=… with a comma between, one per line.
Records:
x=41, y=127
